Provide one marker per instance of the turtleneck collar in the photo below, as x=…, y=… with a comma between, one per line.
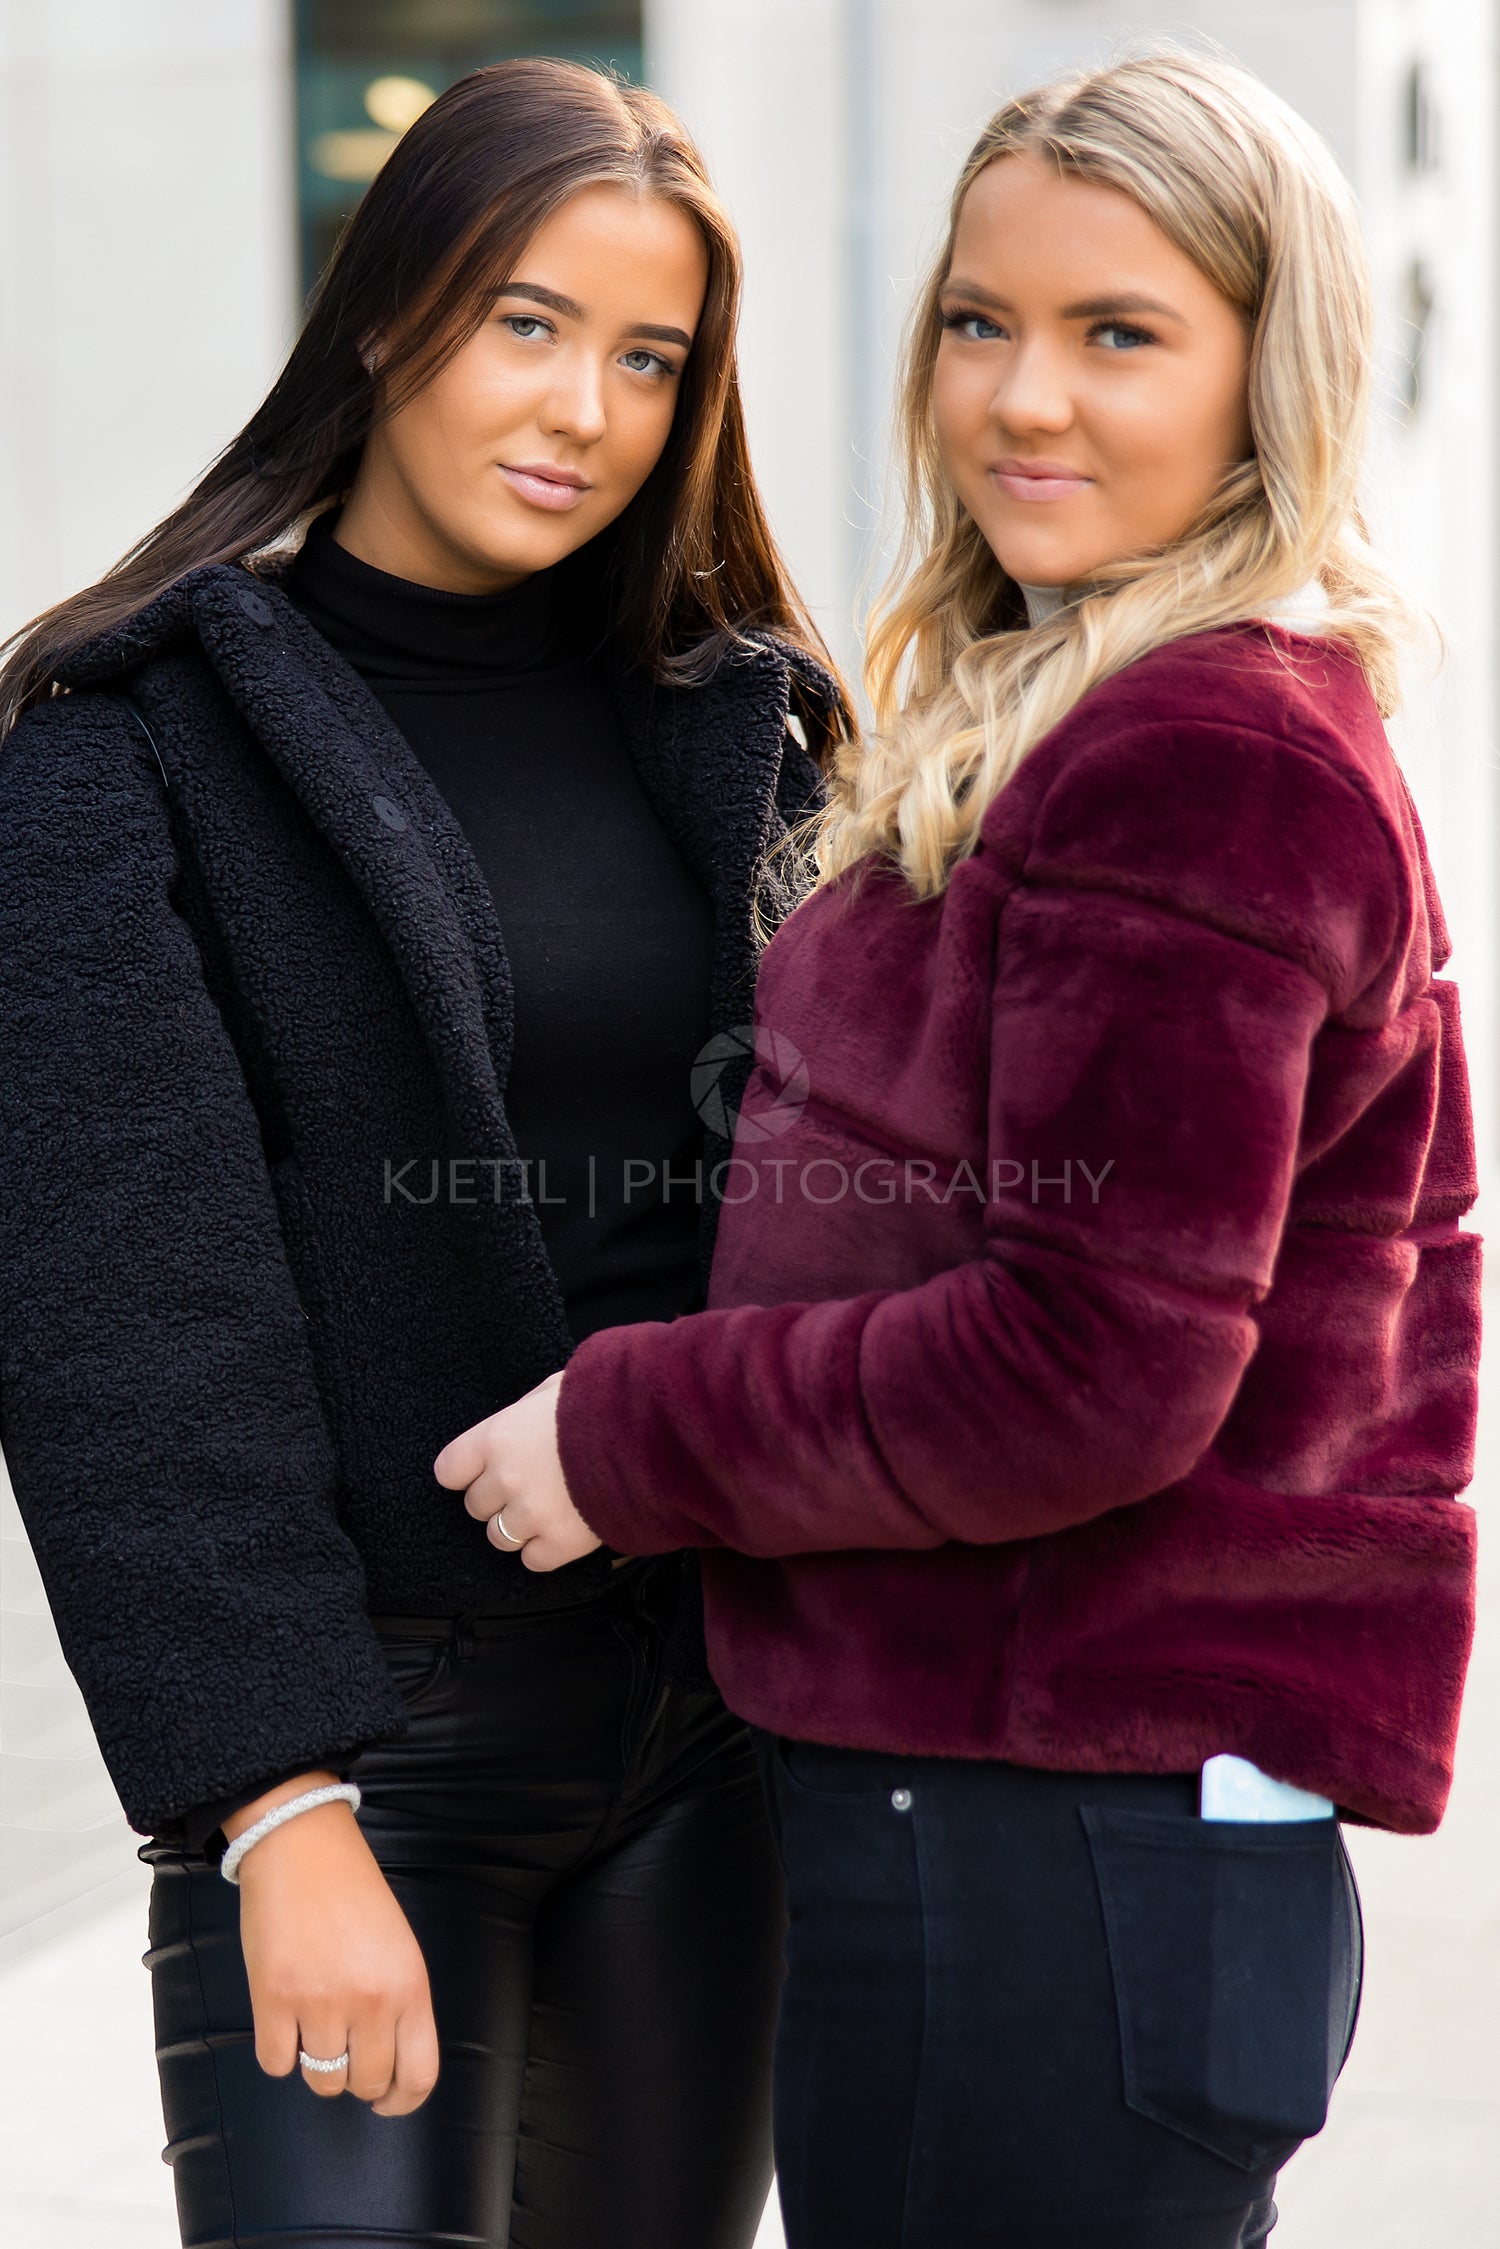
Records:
x=1042, y=602
x=1302, y=611
x=398, y=633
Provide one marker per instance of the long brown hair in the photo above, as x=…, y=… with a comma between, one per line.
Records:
x=692, y=565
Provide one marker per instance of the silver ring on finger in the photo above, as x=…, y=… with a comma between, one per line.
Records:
x=497, y=1523
x=323, y=2069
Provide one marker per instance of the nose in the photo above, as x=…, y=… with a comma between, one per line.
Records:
x=1032, y=395
x=575, y=404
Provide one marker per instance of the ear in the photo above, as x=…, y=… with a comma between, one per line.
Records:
x=371, y=353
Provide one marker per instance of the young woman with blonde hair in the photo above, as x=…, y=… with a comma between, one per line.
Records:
x=1089, y=1371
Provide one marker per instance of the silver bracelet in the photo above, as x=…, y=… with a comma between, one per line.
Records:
x=340, y=1792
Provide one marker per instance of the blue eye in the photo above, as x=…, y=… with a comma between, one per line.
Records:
x=975, y=327
x=643, y=362
x=1131, y=337
x=526, y=325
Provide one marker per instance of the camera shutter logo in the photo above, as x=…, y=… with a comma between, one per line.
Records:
x=782, y=1069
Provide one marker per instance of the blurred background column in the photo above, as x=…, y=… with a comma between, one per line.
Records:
x=146, y=264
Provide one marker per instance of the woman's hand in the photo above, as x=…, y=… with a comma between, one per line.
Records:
x=509, y=1468
x=331, y=1957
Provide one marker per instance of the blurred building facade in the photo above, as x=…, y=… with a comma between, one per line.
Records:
x=172, y=174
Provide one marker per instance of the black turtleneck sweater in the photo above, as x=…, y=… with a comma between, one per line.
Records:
x=607, y=929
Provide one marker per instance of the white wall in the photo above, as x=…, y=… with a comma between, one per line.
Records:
x=146, y=264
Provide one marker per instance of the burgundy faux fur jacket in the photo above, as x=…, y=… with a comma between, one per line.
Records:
x=1089, y=1366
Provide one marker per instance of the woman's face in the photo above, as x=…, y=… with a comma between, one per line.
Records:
x=1091, y=382
x=548, y=421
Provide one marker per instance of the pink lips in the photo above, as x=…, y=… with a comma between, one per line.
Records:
x=1038, y=480
x=546, y=486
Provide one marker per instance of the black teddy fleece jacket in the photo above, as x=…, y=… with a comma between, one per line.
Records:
x=249, y=970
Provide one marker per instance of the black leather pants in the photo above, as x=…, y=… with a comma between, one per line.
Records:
x=585, y=1857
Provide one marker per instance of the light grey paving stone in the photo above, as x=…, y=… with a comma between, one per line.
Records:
x=42, y=1876
x=29, y=1653
x=771, y=2235
x=80, y=2121
x=47, y=1796
x=1395, y=2173
x=21, y=1592
x=73, y=2225
x=46, y=1722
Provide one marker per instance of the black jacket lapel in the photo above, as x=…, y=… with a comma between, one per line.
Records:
x=722, y=774
x=392, y=830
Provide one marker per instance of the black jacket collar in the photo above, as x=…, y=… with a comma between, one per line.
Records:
x=709, y=757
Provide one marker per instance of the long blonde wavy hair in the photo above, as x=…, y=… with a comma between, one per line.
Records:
x=960, y=688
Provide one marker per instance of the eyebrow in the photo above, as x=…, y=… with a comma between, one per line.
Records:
x=1087, y=308
x=571, y=309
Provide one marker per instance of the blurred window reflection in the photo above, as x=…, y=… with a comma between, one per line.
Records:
x=367, y=68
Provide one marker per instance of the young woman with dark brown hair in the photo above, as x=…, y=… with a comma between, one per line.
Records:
x=382, y=841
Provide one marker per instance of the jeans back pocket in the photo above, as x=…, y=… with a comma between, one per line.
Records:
x=1234, y=1948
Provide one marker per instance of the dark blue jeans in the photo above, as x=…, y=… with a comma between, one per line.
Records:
x=1036, y=2010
